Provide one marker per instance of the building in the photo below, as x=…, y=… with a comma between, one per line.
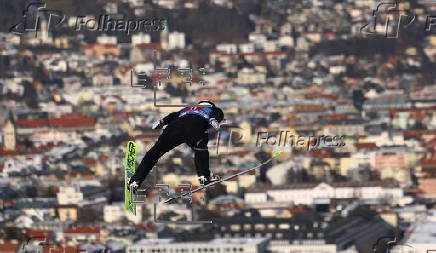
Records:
x=9, y=134
x=143, y=52
x=9, y=246
x=65, y=212
x=250, y=76
x=305, y=231
x=310, y=247
x=141, y=38
x=52, y=248
x=412, y=213
x=81, y=235
x=69, y=195
x=176, y=40
x=347, y=128
x=252, y=245
x=117, y=213
x=394, y=160
x=362, y=232
x=428, y=187
x=227, y=48
x=422, y=237
x=97, y=49
x=247, y=48
x=10, y=166
x=305, y=226
x=309, y=193
x=107, y=40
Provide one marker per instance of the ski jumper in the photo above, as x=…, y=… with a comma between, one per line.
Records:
x=189, y=126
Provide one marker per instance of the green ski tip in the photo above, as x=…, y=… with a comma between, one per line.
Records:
x=277, y=153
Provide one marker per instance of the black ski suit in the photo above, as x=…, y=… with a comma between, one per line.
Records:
x=182, y=128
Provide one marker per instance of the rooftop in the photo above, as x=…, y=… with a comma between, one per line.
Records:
x=423, y=232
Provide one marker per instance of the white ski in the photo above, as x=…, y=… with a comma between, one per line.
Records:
x=276, y=154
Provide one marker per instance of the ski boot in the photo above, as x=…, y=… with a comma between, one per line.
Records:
x=134, y=185
x=205, y=181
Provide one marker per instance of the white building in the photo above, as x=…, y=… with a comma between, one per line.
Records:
x=250, y=76
x=116, y=212
x=55, y=136
x=10, y=38
x=168, y=4
x=422, y=238
x=227, y=48
x=387, y=139
x=258, y=39
x=55, y=64
x=247, y=48
x=10, y=166
x=336, y=70
x=252, y=245
x=363, y=158
x=271, y=45
x=309, y=193
x=311, y=247
x=412, y=213
x=176, y=40
x=223, y=3
x=69, y=195
x=345, y=129
x=141, y=38
x=302, y=44
x=107, y=39
x=111, y=8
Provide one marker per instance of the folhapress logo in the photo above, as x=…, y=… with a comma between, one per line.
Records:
x=32, y=16
x=388, y=19
x=105, y=23
x=36, y=11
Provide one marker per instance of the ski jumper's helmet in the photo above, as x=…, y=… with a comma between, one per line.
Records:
x=218, y=114
x=206, y=103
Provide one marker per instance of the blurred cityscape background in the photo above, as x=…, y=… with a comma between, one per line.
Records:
x=75, y=86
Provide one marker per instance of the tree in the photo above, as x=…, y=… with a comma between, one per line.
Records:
x=30, y=95
x=358, y=99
